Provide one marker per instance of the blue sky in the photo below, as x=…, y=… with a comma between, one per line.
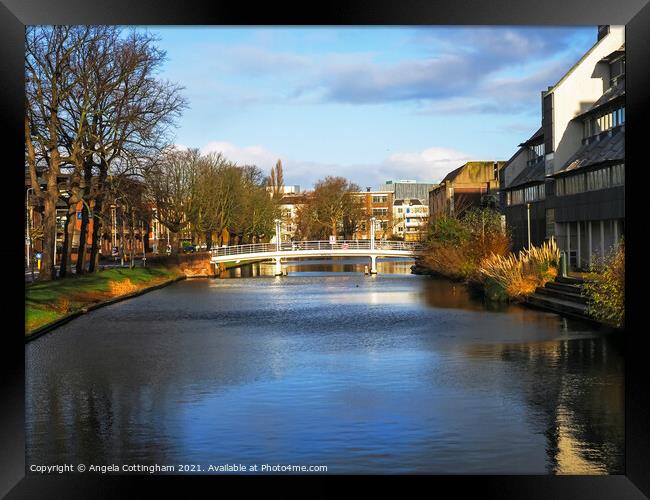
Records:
x=367, y=103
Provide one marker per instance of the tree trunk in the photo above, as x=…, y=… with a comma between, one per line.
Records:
x=93, y=262
x=81, y=250
x=65, y=251
x=208, y=240
x=98, y=208
x=146, y=227
x=47, y=271
x=68, y=237
x=132, y=234
x=175, y=242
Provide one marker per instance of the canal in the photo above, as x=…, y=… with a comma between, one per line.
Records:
x=393, y=373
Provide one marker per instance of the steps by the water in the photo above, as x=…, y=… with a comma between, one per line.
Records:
x=561, y=294
x=564, y=296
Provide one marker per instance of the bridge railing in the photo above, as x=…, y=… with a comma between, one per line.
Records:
x=408, y=246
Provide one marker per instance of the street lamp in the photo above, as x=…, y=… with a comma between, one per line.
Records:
x=277, y=234
x=528, y=217
x=28, y=238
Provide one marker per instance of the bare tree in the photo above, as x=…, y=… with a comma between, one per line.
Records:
x=49, y=81
x=93, y=98
x=332, y=209
x=134, y=114
x=171, y=182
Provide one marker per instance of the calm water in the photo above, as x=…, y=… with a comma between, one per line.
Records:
x=387, y=374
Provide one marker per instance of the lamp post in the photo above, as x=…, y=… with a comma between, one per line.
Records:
x=28, y=238
x=154, y=227
x=528, y=217
x=277, y=234
x=144, y=253
x=373, y=257
x=56, y=230
x=278, y=261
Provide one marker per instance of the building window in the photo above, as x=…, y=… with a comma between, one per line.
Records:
x=605, y=121
x=550, y=222
x=529, y=194
x=380, y=199
x=570, y=185
x=594, y=180
x=616, y=70
x=618, y=175
x=379, y=211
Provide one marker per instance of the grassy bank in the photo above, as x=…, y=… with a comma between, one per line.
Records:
x=51, y=301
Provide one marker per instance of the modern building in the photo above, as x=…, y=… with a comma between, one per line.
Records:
x=411, y=219
x=582, y=141
x=410, y=210
x=523, y=193
x=474, y=184
x=377, y=205
x=408, y=189
x=293, y=189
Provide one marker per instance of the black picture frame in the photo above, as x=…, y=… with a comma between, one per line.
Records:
x=635, y=14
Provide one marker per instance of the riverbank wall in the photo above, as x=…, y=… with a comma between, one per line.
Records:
x=192, y=265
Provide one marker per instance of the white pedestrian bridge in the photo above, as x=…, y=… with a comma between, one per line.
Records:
x=342, y=248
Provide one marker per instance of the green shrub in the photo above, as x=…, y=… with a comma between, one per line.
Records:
x=606, y=290
x=447, y=229
x=456, y=245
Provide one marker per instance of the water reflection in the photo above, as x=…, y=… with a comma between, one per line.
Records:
x=384, y=374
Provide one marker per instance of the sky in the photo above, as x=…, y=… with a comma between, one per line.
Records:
x=368, y=103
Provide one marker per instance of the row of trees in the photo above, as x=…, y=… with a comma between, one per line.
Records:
x=211, y=198
x=95, y=113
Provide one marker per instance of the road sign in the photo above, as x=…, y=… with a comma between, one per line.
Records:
x=332, y=239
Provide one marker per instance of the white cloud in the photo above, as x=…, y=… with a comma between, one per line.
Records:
x=430, y=164
x=246, y=155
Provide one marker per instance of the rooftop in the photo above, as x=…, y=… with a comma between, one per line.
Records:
x=611, y=95
x=451, y=176
x=529, y=175
x=534, y=139
x=608, y=149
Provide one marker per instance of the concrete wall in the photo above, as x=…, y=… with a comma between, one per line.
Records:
x=517, y=224
x=514, y=167
x=191, y=264
x=577, y=91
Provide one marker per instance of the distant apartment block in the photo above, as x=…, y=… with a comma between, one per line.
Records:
x=411, y=219
x=410, y=210
x=377, y=204
x=293, y=189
